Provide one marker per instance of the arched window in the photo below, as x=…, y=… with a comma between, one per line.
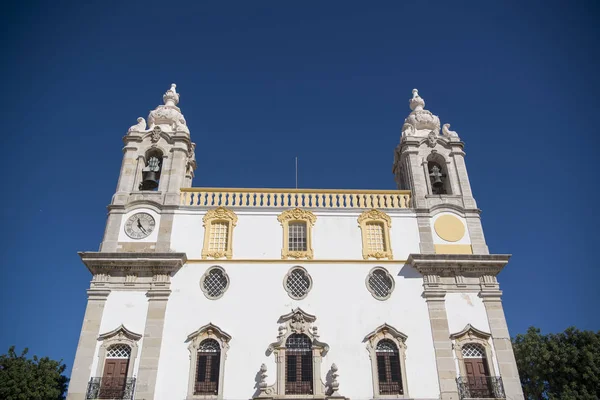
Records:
x=388, y=368
x=208, y=347
x=439, y=181
x=207, y=368
x=387, y=348
x=152, y=170
x=298, y=363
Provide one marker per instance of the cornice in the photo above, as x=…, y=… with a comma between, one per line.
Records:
x=139, y=263
x=458, y=264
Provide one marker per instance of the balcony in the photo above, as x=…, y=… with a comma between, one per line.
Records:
x=480, y=387
x=110, y=388
x=302, y=198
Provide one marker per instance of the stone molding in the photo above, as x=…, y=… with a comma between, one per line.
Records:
x=132, y=271
x=472, y=335
x=219, y=214
x=449, y=265
x=297, y=215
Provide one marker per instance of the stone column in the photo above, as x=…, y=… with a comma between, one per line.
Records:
x=507, y=364
x=442, y=344
x=163, y=242
x=463, y=177
x=153, y=333
x=86, y=348
x=111, y=232
x=476, y=233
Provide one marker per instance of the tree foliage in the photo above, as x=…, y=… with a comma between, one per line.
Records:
x=559, y=366
x=22, y=378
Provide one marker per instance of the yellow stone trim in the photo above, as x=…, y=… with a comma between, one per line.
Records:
x=297, y=215
x=453, y=249
x=449, y=228
x=219, y=214
x=379, y=217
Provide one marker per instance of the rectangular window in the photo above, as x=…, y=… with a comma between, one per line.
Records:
x=207, y=374
x=375, y=240
x=298, y=372
x=297, y=236
x=218, y=236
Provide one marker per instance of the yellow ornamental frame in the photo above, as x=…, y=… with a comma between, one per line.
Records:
x=297, y=215
x=220, y=214
x=376, y=216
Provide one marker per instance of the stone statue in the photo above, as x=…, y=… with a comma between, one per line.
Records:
x=447, y=132
x=139, y=127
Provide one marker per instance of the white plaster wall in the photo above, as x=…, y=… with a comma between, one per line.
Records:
x=249, y=311
x=258, y=235
x=466, y=239
x=151, y=238
x=467, y=308
x=126, y=308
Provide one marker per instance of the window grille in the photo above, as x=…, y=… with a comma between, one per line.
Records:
x=473, y=350
x=118, y=351
x=388, y=368
x=218, y=236
x=297, y=236
x=208, y=368
x=215, y=283
x=298, y=283
x=380, y=283
x=299, y=368
x=375, y=240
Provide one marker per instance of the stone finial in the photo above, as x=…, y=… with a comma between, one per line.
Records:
x=447, y=132
x=417, y=102
x=171, y=97
x=139, y=127
x=335, y=385
x=263, y=377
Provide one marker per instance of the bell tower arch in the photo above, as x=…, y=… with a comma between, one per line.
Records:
x=158, y=160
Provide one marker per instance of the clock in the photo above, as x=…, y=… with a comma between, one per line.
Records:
x=139, y=225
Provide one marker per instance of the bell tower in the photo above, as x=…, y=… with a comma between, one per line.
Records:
x=432, y=165
x=158, y=160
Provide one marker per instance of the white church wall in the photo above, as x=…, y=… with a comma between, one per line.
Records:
x=468, y=308
x=126, y=308
x=258, y=235
x=249, y=310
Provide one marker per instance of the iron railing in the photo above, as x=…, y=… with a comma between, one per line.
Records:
x=110, y=388
x=480, y=387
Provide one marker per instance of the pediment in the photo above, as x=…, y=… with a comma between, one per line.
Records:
x=470, y=331
x=297, y=315
x=211, y=330
x=384, y=330
x=122, y=332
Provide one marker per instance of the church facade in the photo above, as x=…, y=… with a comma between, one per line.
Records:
x=240, y=293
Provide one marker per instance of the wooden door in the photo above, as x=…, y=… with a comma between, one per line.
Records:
x=477, y=377
x=114, y=378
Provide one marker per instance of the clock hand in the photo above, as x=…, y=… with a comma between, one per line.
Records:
x=139, y=224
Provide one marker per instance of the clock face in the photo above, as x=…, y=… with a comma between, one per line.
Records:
x=139, y=225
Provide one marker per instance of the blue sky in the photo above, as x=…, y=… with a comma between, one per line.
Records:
x=329, y=82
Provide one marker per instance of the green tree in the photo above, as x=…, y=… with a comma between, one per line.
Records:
x=22, y=378
x=559, y=366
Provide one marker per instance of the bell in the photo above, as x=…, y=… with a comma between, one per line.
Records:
x=437, y=181
x=149, y=180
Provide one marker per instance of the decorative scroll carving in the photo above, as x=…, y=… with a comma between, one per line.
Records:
x=377, y=217
x=217, y=215
x=296, y=215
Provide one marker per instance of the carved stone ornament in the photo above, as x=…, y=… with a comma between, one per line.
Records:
x=447, y=132
x=374, y=215
x=155, y=134
x=220, y=213
x=432, y=139
x=297, y=214
x=420, y=121
x=169, y=116
x=297, y=321
x=139, y=127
